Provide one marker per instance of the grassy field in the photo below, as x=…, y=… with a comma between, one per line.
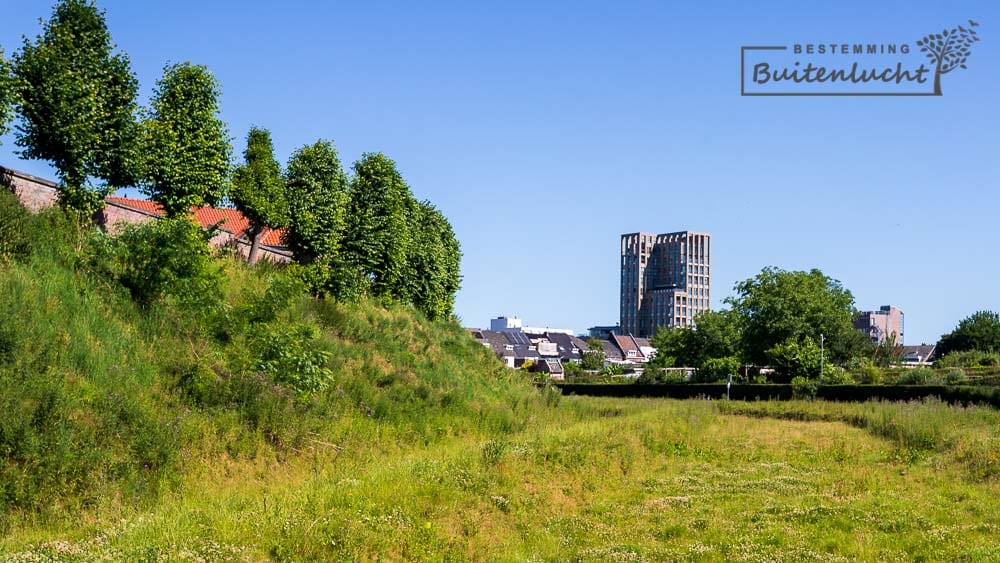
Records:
x=589, y=479
x=265, y=424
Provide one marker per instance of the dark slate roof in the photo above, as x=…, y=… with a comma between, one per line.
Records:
x=611, y=351
x=925, y=351
x=566, y=344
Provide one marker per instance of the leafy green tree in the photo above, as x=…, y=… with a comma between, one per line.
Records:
x=716, y=335
x=434, y=262
x=317, y=193
x=77, y=104
x=593, y=359
x=980, y=331
x=258, y=189
x=778, y=307
x=379, y=234
x=6, y=94
x=185, y=145
x=795, y=357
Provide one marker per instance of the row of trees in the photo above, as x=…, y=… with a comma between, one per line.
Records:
x=786, y=320
x=777, y=318
x=356, y=234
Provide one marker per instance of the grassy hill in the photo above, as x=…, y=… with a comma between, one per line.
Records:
x=248, y=421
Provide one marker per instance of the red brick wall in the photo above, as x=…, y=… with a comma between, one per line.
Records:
x=34, y=193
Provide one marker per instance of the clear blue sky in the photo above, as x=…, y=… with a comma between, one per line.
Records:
x=544, y=132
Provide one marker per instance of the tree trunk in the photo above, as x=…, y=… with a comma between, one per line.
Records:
x=258, y=233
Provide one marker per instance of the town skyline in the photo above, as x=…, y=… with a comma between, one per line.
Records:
x=607, y=133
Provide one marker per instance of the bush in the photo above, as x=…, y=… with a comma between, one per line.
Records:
x=836, y=375
x=716, y=369
x=795, y=358
x=656, y=375
x=969, y=359
x=956, y=376
x=290, y=357
x=871, y=375
x=919, y=376
x=804, y=388
x=154, y=260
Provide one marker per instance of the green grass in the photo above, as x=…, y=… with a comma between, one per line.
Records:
x=131, y=433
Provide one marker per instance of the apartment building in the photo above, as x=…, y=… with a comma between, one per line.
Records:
x=665, y=280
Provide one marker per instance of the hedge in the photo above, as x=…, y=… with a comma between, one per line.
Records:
x=762, y=392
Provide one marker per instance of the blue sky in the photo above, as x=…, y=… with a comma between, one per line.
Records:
x=545, y=131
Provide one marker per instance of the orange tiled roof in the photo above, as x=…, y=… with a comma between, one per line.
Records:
x=227, y=218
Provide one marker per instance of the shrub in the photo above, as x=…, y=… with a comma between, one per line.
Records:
x=804, y=388
x=13, y=238
x=716, y=369
x=836, y=375
x=956, y=376
x=168, y=257
x=871, y=375
x=919, y=376
x=969, y=359
x=290, y=357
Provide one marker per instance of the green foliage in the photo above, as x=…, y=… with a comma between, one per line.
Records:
x=379, y=232
x=793, y=358
x=77, y=104
x=777, y=307
x=718, y=369
x=14, y=241
x=980, y=331
x=836, y=375
x=593, y=359
x=956, y=376
x=258, y=190
x=919, y=376
x=717, y=335
x=316, y=192
x=158, y=259
x=186, y=147
x=870, y=374
x=7, y=90
x=655, y=375
x=804, y=388
x=289, y=354
x=969, y=359
x=434, y=261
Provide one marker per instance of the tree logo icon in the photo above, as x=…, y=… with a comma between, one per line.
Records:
x=948, y=50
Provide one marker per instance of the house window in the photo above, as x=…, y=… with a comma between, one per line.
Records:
x=508, y=347
x=631, y=353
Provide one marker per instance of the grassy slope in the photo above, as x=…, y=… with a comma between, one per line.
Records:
x=141, y=434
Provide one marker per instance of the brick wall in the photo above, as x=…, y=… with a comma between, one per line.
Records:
x=34, y=193
x=37, y=193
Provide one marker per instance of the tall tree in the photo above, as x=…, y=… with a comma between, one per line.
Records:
x=316, y=191
x=6, y=94
x=777, y=306
x=258, y=189
x=434, y=262
x=77, y=104
x=378, y=234
x=980, y=331
x=186, y=147
x=317, y=194
x=716, y=335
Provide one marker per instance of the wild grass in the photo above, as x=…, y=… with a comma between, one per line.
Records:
x=156, y=432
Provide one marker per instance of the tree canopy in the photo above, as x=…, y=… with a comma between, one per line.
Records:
x=716, y=335
x=6, y=94
x=186, y=146
x=316, y=192
x=258, y=190
x=433, y=262
x=778, y=307
x=979, y=332
x=77, y=104
x=379, y=233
